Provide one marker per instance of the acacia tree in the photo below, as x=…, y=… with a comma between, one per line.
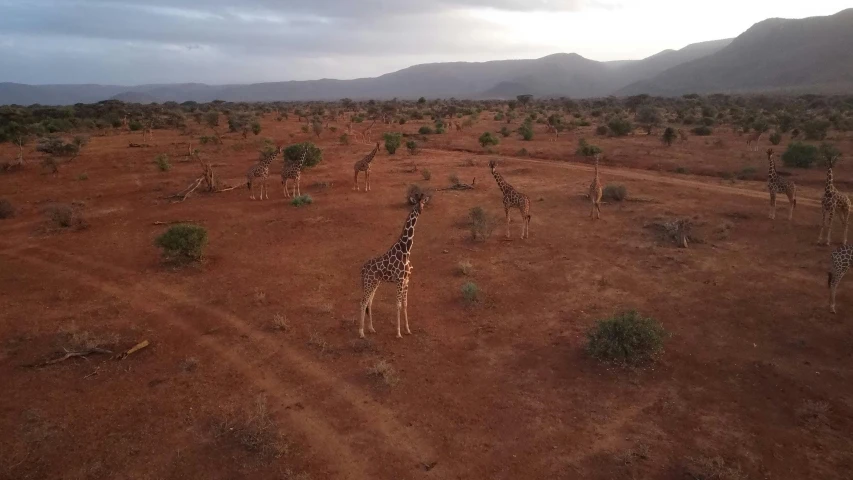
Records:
x=649, y=118
x=524, y=100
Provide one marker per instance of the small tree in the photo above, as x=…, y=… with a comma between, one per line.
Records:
x=317, y=127
x=256, y=127
x=425, y=130
x=669, y=136
x=816, y=129
x=293, y=153
x=526, y=131
x=162, y=161
x=649, y=117
x=524, y=100
x=775, y=138
x=620, y=127
x=504, y=131
x=800, y=155
x=482, y=224
x=587, y=150
x=183, y=243
x=487, y=139
x=392, y=141
x=412, y=147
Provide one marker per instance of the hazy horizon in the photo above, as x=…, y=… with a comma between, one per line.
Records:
x=125, y=42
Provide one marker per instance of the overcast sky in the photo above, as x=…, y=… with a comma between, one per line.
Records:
x=230, y=41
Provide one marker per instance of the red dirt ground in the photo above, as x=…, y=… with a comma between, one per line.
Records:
x=755, y=382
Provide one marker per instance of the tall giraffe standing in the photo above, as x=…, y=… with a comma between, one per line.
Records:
x=293, y=171
x=261, y=170
x=552, y=129
x=775, y=185
x=752, y=141
x=831, y=200
x=842, y=258
x=363, y=165
x=595, y=192
x=513, y=198
x=393, y=266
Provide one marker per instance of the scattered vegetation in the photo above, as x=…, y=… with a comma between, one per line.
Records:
x=392, y=141
x=669, y=136
x=344, y=139
x=412, y=147
x=302, y=200
x=775, y=138
x=626, y=338
x=619, y=127
x=183, y=243
x=384, y=372
x=280, y=323
x=587, y=150
x=601, y=130
x=800, y=155
x=816, y=129
x=255, y=432
x=481, y=224
x=526, y=131
x=294, y=152
x=464, y=268
x=426, y=174
x=426, y=130
x=504, y=131
x=702, y=131
x=63, y=215
x=83, y=176
x=487, y=139
x=162, y=162
x=470, y=292
x=614, y=193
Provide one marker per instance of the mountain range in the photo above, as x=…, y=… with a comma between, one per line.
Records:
x=807, y=55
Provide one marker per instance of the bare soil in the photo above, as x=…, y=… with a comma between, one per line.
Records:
x=254, y=368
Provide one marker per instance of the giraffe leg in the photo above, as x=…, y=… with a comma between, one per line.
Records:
x=829, y=225
x=366, y=306
x=298, y=190
x=265, y=191
x=367, y=181
x=252, y=190
x=355, y=181
x=834, y=279
x=592, y=210
x=598, y=209
x=792, y=200
x=506, y=211
x=772, y=205
x=846, y=219
x=822, y=227
x=406, y=306
x=400, y=287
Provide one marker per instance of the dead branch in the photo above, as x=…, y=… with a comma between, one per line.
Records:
x=68, y=355
x=139, y=346
x=173, y=222
x=228, y=188
x=461, y=186
x=138, y=145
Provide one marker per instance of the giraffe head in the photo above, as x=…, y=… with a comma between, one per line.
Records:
x=419, y=200
x=831, y=159
x=493, y=165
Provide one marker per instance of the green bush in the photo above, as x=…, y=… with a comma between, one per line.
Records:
x=499, y=116
x=702, y=131
x=162, y=161
x=526, y=131
x=816, y=129
x=587, y=150
x=83, y=176
x=294, y=152
x=775, y=138
x=412, y=147
x=344, y=139
x=256, y=128
x=392, y=141
x=800, y=155
x=620, y=127
x=134, y=125
x=487, y=139
x=669, y=136
x=601, y=130
x=470, y=292
x=504, y=131
x=302, y=200
x=183, y=242
x=626, y=339
x=425, y=130
x=616, y=193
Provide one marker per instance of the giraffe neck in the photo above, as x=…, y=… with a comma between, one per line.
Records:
x=501, y=183
x=596, y=171
x=267, y=161
x=772, y=172
x=407, y=237
x=301, y=162
x=369, y=157
x=829, y=186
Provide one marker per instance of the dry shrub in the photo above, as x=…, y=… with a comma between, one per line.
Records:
x=464, y=268
x=64, y=215
x=384, y=372
x=481, y=224
x=614, y=193
x=280, y=323
x=6, y=209
x=254, y=431
x=708, y=468
x=627, y=338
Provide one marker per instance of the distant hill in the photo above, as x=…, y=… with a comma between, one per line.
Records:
x=813, y=54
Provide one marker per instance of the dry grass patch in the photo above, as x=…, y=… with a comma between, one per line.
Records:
x=280, y=323
x=384, y=372
x=464, y=268
x=66, y=216
x=254, y=431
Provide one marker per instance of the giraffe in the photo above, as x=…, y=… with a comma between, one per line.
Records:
x=261, y=170
x=552, y=129
x=363, y=165
x=831, y=200
x=365, y=134
x=779, y=185
x=595, y=192
x=393, y=266
x=458, y=127
x=682, y=134
x=842, y=257
x=513, y=198
x=752, y=141
x=293, y=171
